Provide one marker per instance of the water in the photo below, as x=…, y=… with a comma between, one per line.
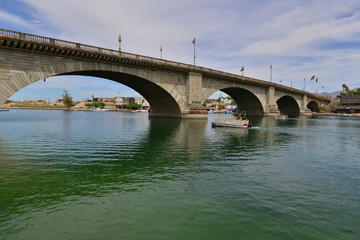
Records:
x=93, y=175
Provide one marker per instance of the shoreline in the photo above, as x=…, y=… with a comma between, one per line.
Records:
x=34, y=108
x=71, y=109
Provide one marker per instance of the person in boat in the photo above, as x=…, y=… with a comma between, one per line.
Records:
x=241, y=116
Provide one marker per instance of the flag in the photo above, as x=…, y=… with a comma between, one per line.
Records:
x=193, y=41
x=161, y=49
x=312, y=78
x=317, y=79
x=242, y=69
x=271, y=66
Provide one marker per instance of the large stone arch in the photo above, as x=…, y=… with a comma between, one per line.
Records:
x=288, y=105
x=161, y=102
x=165, y=91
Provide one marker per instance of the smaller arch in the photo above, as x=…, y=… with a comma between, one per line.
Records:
x=245, y=101
x=288, y=105
x=313, y=106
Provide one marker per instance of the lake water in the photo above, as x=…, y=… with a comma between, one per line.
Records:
x=108, y=175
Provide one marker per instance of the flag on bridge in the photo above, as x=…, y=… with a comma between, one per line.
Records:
x=242, y=70
x=193, y=42
x=312, y=78
x=317, y=79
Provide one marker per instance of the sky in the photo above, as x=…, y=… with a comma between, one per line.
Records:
x=298, y=38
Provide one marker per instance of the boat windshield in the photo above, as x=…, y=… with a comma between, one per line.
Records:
x=242, y=116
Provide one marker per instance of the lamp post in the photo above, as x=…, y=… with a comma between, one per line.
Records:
x=119, y=39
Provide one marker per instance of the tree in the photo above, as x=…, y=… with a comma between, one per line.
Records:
x=348, y=92
x=221, y=107
x=345, y=88
x=98, y=104
x=67, y=99
x=95, y=104
x=133, y=105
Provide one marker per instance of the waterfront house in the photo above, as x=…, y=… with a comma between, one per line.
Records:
x=348, y=104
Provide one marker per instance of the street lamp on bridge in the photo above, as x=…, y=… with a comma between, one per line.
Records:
x=119, y=39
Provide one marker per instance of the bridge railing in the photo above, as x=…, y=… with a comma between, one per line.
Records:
x=88, y=48
x=93, y=49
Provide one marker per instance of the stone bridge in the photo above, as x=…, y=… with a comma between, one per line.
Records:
x=173, y=89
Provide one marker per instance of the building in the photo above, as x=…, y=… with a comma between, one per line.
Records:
x=348, y=104
x=109, y=102
x=123, y=102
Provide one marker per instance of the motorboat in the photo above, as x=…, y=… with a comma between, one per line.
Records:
x=281, y=116
x=239, y=122
x=100, y=109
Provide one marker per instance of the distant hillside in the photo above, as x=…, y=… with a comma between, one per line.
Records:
x=334, y=94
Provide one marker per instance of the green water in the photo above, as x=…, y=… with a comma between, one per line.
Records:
x=94, y=175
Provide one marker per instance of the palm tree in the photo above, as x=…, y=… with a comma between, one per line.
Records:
x=346, y=89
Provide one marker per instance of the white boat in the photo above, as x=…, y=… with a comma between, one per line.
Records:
x=100, y=109
x=240, y=122
x=281, y=116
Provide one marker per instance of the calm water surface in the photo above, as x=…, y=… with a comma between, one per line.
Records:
x=92, y=175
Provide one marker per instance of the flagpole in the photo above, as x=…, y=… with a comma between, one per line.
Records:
x=194, y=50
x=304, y=84
x=161, y=52
x=271, y=73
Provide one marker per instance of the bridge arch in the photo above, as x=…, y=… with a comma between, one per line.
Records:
x=313, y=106
x=245, y=100
x=154, y=86
x=288, y=105
x=160, y=100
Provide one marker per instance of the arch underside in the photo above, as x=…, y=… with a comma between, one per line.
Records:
x=245, y=100
x=288, y=105
x=313, y=106
x=161, y=102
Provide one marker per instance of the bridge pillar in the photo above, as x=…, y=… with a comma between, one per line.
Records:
x=194, y=97
x=303, y=108
x=271, y=106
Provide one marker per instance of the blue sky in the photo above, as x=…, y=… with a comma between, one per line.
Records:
x=300, y=38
